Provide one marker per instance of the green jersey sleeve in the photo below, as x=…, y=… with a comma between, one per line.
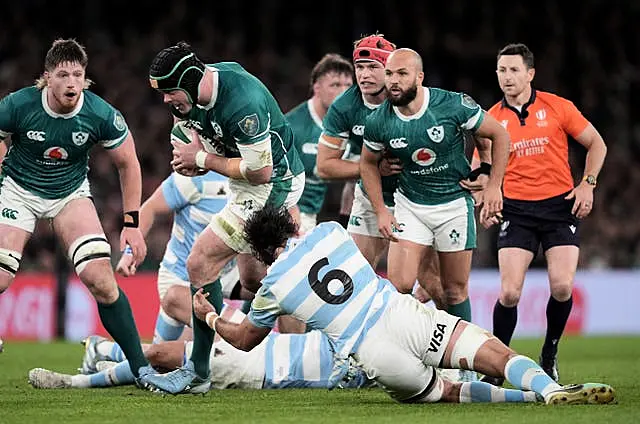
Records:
x=373, y=138
x=335, y=123
x=251, y=123
x=7, y=117
x=467, y=112
x=114, y=130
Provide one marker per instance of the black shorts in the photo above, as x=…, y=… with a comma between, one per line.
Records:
x=530, y=223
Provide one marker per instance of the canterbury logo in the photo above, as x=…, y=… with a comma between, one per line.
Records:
x=36, y=135
x=398, y=143
x=9, y=213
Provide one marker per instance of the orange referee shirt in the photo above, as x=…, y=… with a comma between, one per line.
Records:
x=538, y=166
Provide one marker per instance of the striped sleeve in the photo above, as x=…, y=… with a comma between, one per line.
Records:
x=179, y=191
x=264, y=309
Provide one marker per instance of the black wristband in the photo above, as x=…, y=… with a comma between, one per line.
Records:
x=484, y=168
x=135, y=215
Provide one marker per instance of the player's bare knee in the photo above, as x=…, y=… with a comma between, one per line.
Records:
x=561, y=291
x=510, y=296
x=455, y=292
x=198, y=269
x=98, y=277
x=404, y=286
x=5, y=281
x=173, y=301
x=9, y=264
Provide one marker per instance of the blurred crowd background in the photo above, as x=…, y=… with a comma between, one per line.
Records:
x=587, y=54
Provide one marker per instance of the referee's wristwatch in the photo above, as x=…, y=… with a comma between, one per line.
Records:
x=590, y=179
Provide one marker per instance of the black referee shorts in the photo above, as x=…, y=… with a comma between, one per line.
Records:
x=528, y=224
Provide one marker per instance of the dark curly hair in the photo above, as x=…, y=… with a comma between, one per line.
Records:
x=268, y=229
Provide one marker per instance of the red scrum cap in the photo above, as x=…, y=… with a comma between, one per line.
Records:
x=373, y=48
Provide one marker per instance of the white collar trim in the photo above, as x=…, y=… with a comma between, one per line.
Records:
x=50, y=112
x=419, y=113
x=214, y=93
x=314, y=114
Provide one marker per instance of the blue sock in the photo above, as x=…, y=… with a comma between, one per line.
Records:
x=116, y=376
x=478, y=391
x=167, y=328
x=525, y=374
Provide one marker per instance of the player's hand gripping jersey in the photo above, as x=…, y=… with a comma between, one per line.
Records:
x=345, y=119
x=244, y=115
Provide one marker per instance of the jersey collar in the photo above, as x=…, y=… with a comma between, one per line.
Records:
x=419, y=113
x=369, y=105
x=523, y=113
x=216, y=86
x=314, y=114
x=50, y=112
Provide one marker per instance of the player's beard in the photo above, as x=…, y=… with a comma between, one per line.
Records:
x=405, y=98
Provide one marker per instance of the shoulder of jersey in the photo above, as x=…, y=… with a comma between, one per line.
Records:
x=330, y=226
x=550, y=98
x=26, y=95
x=348, y=98
x=298, y=110
x=439, y=95
x=96, y=102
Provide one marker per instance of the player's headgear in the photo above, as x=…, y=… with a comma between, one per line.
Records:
x=177, y=68
x=373, y=48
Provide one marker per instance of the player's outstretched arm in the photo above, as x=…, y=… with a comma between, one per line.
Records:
x=244, y=336
x=126, y=161
x=329, y=161
x=156, y=205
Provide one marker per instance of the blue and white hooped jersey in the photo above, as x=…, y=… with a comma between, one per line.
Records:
x=194, y=200
x=324, y=281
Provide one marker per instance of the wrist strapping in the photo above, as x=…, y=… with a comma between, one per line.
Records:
x=243, y=168
x=211, y=319
x=201, y=159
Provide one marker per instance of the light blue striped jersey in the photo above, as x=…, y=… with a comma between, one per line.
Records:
x=280, y=361
x=324, y=281
x=297, y=360
x=194, y=201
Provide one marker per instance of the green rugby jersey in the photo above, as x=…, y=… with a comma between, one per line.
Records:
x=345, y=120
x=49, y=152
x=242, y=111
x=307, y=127
x=429, y=143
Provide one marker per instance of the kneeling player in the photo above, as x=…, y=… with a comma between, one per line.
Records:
x=324, y=281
